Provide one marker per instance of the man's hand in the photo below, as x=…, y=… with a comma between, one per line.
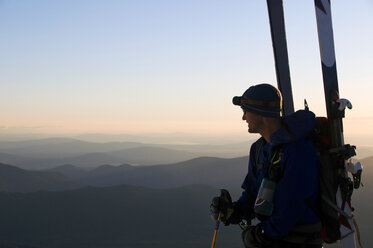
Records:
x=214, y=208
x=253, y=237
x=230, y=212
x=221, y=204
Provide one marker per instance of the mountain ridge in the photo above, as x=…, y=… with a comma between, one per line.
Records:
x=14, y=179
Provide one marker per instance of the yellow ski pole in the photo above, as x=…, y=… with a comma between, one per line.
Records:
x=216, y=230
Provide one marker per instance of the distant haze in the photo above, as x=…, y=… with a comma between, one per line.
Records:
x=364, y=143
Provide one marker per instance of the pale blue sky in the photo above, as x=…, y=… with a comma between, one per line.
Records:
x=137, y=66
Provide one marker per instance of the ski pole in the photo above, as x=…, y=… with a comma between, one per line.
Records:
x=216, y=230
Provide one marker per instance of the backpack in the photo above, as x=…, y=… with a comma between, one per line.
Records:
x=327, y=210
x=330, y=179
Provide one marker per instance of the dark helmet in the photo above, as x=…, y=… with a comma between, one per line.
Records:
x=261, y=99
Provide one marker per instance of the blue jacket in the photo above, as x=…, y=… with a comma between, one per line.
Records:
x=299, y=180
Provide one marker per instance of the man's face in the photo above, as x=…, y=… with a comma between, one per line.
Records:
x=253, y=121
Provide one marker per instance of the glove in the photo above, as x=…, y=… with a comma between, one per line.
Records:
x=254, y=237
x=230, y=212
x=221, y=204
x=214, y=208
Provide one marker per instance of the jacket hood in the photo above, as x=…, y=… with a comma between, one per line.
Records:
x=295, y=127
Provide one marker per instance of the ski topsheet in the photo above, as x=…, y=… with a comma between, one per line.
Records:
x=335, y=115
x=277, y=23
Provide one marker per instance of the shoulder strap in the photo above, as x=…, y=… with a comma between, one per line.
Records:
x=274, y=171
x=274, y=168
x=258, y=147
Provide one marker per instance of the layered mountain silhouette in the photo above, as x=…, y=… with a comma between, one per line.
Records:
x=61, y=147
x=158, y=206
x=13, y=179
x=217, y=172
x=69, y=170
x=49, y=153
x=121, y=216
x=140, y=155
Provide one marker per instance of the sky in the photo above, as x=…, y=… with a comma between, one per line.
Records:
x=165, y=66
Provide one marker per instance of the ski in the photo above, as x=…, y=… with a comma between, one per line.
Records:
x=335, y=112
x=277, y=24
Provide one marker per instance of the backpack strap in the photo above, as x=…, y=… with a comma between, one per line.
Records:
x=274, y=170
x=258, y=148
x=249, y=200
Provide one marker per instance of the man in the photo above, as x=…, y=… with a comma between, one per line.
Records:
x=281, y=186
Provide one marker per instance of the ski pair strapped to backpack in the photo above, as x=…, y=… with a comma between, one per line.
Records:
x=335, y=107
x=338, y=186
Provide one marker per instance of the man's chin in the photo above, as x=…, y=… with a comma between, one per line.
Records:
x=251, y=131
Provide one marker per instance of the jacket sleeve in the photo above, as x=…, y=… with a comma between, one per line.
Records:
x=299, y=182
